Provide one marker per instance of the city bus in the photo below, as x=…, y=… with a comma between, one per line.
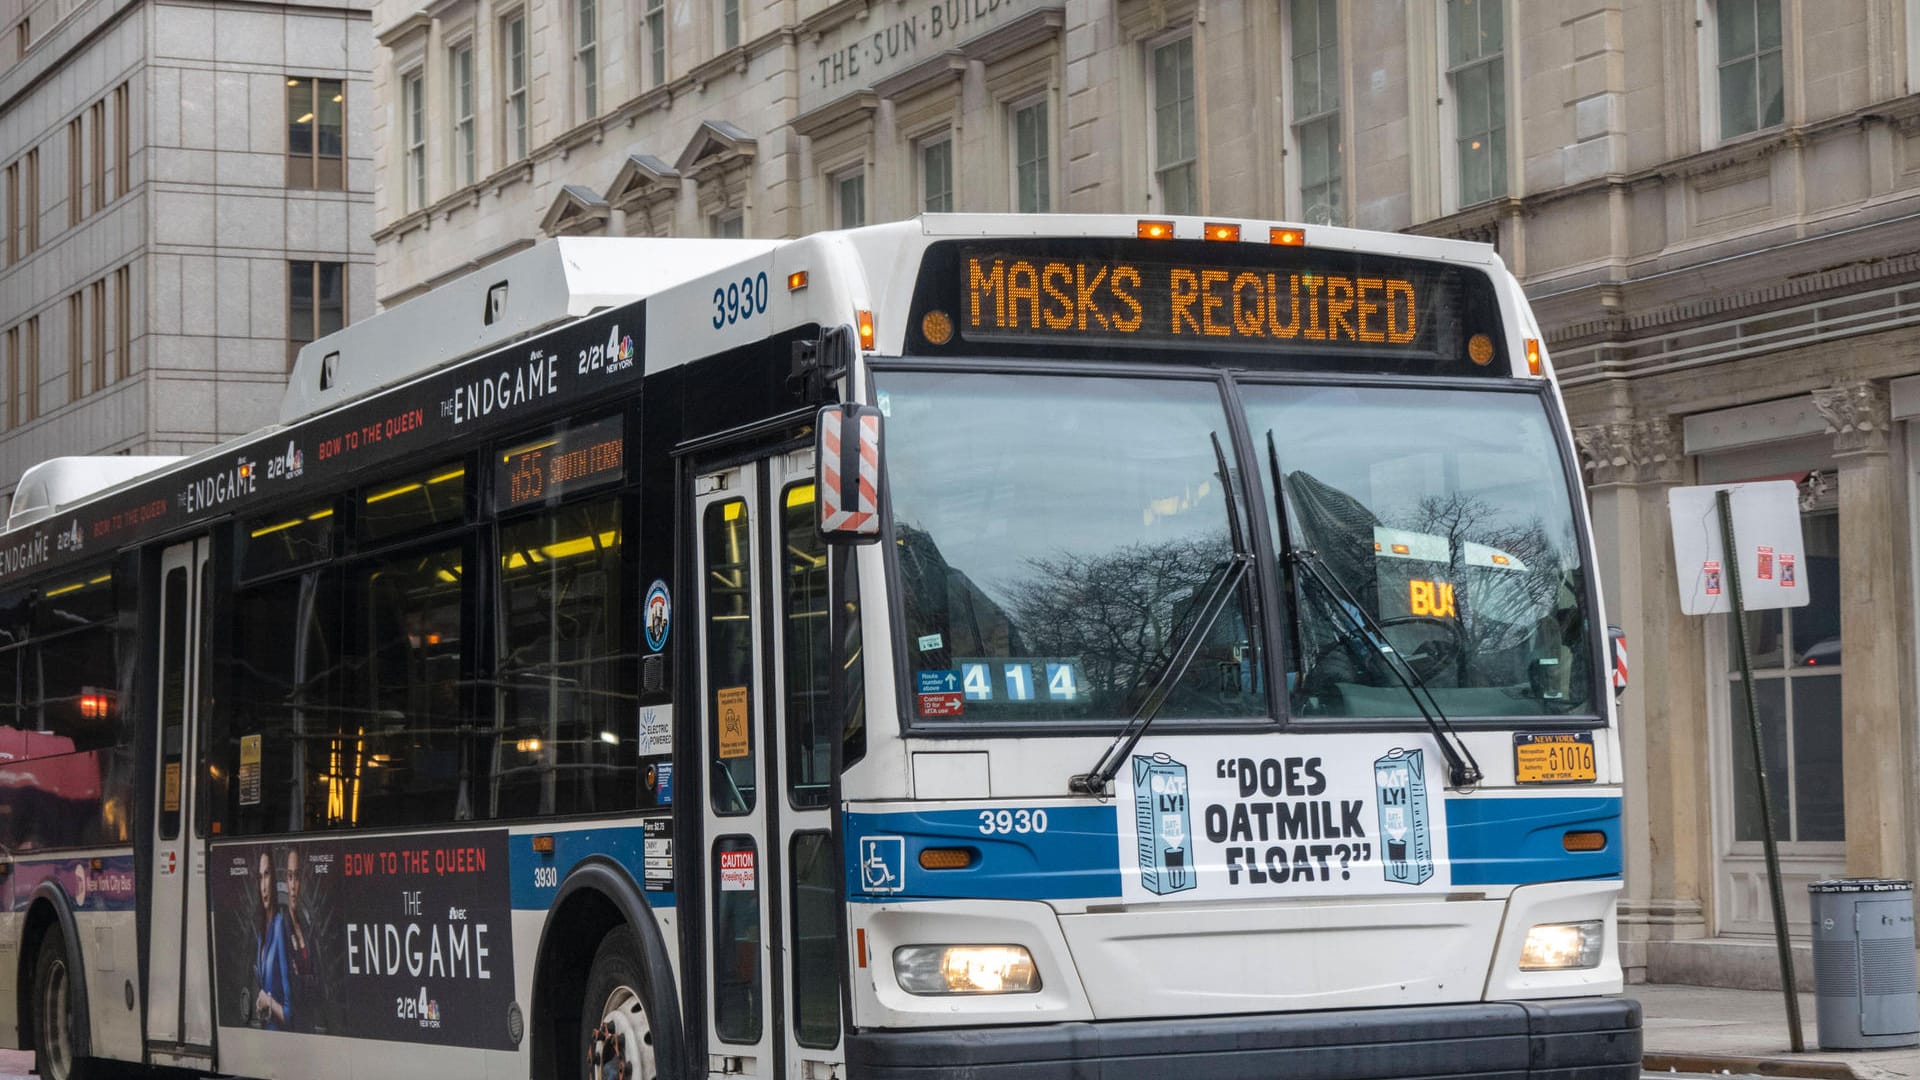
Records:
x=975, y=646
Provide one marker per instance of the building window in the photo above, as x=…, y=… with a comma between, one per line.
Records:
x=76, y=346
x=30, y=371
x=97, y=331
x=1175, y=142
x=936, y=175
x=586, y=61
x=1796, y=688
x=1476, y=72
x=460, y=97
x=1747, y=33
x=513, y=63
x=728, y=226
x=97, y=150
x=22, y=38
x=414, y=97
x=76, y=165
x=1315, y=30
x=316, y=134
x=122, y=140
x=850, y=199
x=13, y=377
x=730, y=23
x=123, y=322
x=1032, y=192
x=30, y=198
x=657, y=41
x=13, y=213
x=316, y=303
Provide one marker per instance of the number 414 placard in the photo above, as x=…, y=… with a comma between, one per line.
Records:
x=1056, y=681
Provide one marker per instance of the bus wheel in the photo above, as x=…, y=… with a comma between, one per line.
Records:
x=618, y=1039
x=53, y=990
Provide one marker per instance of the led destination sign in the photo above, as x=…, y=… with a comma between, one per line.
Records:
x=567, y=460
x=1280, y=300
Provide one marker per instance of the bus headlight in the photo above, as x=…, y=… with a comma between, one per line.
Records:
x=965, y=969
x=1560, y=946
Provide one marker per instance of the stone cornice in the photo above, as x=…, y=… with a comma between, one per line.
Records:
x=1637, y=452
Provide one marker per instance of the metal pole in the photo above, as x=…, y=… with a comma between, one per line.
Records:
x=1780, y=941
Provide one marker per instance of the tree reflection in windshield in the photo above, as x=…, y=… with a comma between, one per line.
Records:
x=1051, y=535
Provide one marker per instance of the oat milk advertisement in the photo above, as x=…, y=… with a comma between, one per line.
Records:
x=1326, y=816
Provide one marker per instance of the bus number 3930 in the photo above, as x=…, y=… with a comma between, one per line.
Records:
x=740, y=300
x=1012, y=821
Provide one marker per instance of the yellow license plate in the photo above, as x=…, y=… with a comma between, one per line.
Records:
x=1553, y=758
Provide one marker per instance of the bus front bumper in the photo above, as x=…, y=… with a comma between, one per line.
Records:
x=1566, y=1039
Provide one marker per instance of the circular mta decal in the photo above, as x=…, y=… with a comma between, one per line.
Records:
x=659, y=618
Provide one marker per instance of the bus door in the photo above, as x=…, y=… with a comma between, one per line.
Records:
x=773, y=990
x=179, y=985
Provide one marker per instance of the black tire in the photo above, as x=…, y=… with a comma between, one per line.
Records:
x=55, y=1042
x=616, y=1021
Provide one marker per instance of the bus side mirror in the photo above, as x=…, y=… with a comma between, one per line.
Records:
x=1617, y=639
x=847, y=457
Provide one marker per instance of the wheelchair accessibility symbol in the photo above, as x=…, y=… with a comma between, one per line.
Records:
x=883, y=864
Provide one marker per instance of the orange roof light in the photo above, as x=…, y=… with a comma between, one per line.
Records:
x=1533, y=356
x=1286, y=237
x=1155, y=230
x=864, y=320
x=796, y=281
x=1220, y=230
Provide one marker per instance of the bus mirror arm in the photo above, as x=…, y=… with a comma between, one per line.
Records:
x=819, y=364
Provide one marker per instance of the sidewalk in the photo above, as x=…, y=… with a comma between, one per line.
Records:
x=1691, y=1029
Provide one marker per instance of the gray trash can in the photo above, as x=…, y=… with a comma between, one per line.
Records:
x=1863, y=964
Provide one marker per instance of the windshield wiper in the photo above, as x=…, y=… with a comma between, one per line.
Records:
x=1462, y=770
x=1226, y=580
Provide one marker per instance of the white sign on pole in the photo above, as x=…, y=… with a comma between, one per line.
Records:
x=1771, y=562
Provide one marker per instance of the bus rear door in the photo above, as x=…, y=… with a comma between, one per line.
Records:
x=179, y=990
x=774, y=964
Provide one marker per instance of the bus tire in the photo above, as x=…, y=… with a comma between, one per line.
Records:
x=616, y=1029
x=55, y=1043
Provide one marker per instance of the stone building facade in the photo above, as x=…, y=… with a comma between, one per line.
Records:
x=185, y=190
x=1713, y=204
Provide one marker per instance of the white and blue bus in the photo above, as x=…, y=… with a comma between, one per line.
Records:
x=977, y=646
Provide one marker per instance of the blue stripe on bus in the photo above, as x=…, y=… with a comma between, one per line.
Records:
x=1490, y=840
x=1494, y=841
x=1076, y=857
x=625, y=845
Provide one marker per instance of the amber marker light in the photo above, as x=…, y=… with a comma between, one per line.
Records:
x=1220, y=230
x=1155, y=230
x=1480, y=349
x=864, y=320
x=1287, y=237
x=543, y=845
x=796, y=281
x=936, y=327
x=1533, y=356
x=1584, y=841
x=951, y=858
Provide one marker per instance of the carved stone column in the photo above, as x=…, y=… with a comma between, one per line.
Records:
x=1631, y=466
x=1873, y=631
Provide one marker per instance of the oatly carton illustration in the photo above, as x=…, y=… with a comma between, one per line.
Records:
x=1160, y=808
x=1406, y=834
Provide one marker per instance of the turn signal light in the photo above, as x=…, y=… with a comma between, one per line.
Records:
x=1155, y=230
x=948, y=858
x=864, y=320
x=796, y=281
x=1533, y=356
x=1584, y=840
x=1218, y=230
x=543, y=845
x=1286, y=237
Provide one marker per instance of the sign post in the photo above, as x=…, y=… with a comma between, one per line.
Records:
x=1769, y=511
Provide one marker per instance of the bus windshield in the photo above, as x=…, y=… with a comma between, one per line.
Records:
x=1052, y=534
x=1445, y=513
